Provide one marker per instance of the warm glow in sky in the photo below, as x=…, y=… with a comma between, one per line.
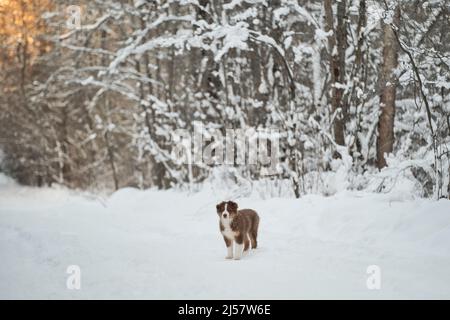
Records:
x=20, y=23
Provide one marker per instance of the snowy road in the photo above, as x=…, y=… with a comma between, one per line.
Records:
x=166, y=245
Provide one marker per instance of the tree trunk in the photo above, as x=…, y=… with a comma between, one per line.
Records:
x=385, y=139
x=337, y=45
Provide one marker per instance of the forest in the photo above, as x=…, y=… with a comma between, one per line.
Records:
x=91, y=92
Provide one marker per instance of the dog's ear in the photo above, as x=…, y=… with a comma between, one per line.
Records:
x=220, y=207
x=232, y=206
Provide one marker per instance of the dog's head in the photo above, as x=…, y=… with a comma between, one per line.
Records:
x=227, y=209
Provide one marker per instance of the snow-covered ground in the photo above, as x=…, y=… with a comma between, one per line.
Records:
x=166, y=245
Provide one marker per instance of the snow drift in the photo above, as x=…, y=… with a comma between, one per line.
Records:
x=166, y=245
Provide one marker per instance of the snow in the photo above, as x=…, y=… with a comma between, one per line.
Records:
x=166, y=245
x=233, y=36
x=321, y=35
x=231, y=5
x=4, y=180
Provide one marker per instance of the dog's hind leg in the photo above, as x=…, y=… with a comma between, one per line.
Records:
x=254, y=232
x=253, y=240
x=246, y=242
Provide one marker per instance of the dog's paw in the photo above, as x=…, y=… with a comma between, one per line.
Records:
x=229, y=257
x=237, y=258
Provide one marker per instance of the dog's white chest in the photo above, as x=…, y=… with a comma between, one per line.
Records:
x=227, y=232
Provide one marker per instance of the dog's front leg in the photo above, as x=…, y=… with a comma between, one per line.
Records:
x=229, y=244
x=239, y=247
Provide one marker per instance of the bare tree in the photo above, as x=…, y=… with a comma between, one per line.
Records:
x=337, y=45
x=388, y=85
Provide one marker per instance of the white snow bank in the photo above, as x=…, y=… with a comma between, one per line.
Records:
x=166, y=245
x=6, y=181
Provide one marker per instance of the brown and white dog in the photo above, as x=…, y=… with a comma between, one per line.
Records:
x=240, y=226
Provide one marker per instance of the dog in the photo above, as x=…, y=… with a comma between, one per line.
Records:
x=240, y=226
